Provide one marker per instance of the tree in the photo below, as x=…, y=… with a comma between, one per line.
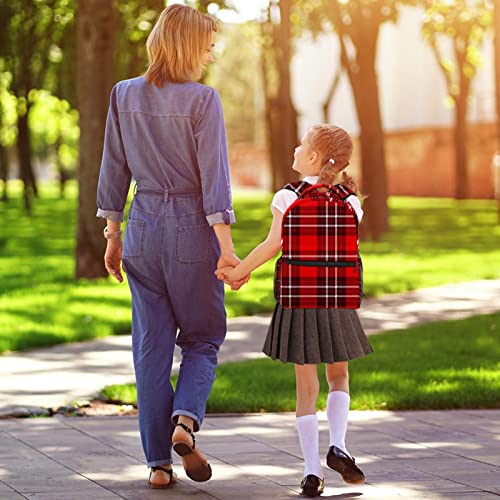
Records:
x=280, y=113
x=357, y=24
x=29, y=49
x=96, y=26
x=464, y=24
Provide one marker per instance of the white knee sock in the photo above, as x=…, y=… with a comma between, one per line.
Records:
x=307, y=427
x=337, y=412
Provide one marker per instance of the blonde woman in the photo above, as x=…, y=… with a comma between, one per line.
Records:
x=167, y=132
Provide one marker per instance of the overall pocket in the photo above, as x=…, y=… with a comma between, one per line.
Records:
x=133, y=243
x=193, y=243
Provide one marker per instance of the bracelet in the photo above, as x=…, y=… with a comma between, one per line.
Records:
x=110, y=236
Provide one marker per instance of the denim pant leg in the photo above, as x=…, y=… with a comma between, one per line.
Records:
x=153, y=341
x=197, y=298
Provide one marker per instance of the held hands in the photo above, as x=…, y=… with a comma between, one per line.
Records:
x=225, y=271
x=113, y=258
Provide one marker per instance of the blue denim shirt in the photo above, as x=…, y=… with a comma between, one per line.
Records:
x=169, y=137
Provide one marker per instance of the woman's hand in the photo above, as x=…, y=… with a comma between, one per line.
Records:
x=113, y=258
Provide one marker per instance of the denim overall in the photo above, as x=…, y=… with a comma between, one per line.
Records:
x=169, y=254
x=172, y=141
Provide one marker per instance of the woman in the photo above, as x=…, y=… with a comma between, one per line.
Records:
x=167, y=132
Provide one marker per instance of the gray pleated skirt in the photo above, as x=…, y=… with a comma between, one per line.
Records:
x=313, y=336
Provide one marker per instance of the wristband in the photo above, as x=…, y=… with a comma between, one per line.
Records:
x=111, y=236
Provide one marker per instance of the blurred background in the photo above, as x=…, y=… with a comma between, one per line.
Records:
x=416, y=83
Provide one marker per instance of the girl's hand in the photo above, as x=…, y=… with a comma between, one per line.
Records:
x=228, y=275
x=113, y=258
x=225, y=273
x=230, y=260
x=236, y=285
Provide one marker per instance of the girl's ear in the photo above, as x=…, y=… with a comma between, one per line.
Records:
x=313, y=157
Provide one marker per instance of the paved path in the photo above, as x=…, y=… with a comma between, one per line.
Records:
x=408, y=455
x=60, y=374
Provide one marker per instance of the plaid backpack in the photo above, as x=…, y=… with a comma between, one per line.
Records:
x=320, y=264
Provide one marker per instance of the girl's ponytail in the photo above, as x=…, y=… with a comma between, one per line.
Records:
x=334, y=145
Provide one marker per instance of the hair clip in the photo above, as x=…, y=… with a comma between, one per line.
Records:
x=332, y=161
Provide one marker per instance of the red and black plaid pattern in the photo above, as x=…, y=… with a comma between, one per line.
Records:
x=320, y=264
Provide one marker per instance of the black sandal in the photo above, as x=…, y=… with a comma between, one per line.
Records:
x=162, y=486
x=183, y=448
x=195, y=464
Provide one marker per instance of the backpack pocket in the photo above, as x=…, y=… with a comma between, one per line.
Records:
x=311, y=284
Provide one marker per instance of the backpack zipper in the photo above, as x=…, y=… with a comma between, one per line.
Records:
x=319, y=263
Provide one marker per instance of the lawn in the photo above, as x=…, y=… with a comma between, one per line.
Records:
x=442, y=365
x=432, y=242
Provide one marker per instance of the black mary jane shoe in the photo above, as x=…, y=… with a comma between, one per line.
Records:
x=162, y=486
x=345, y=465
x=312, y=486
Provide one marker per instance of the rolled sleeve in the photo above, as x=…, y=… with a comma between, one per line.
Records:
x=114, y=176
x=213, y=162
x=226, y=217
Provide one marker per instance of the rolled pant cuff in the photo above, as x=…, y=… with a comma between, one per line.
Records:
x=186, y=413
x=155, y=463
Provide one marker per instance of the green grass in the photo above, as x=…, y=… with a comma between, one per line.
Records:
x=442, y=365
x=432, y=242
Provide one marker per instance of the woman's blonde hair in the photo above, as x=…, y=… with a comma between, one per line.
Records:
x=334, y=146
x=177, y=43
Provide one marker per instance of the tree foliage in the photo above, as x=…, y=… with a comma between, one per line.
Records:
x=135, y=20
x=236, y=76
x=464, y=24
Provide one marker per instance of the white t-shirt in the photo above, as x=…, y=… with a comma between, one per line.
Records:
x=284, y=198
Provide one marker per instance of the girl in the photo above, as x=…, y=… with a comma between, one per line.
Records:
x=296, y=334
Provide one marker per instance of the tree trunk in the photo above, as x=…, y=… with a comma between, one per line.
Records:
x=496, y=31
x=281, y=117
x=96, y=31
x=24, y=155
x=460, y=132
x=373, y=169
x=4, y=171
x=285, y=123
x=364, y=84
x=460, y=145
x=62, y=173
x=269, y=112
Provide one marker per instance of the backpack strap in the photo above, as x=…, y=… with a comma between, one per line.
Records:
x=339, y=190
x=297, y=187
x=343, y=191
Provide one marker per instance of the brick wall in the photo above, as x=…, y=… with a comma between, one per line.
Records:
x=419, y=162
